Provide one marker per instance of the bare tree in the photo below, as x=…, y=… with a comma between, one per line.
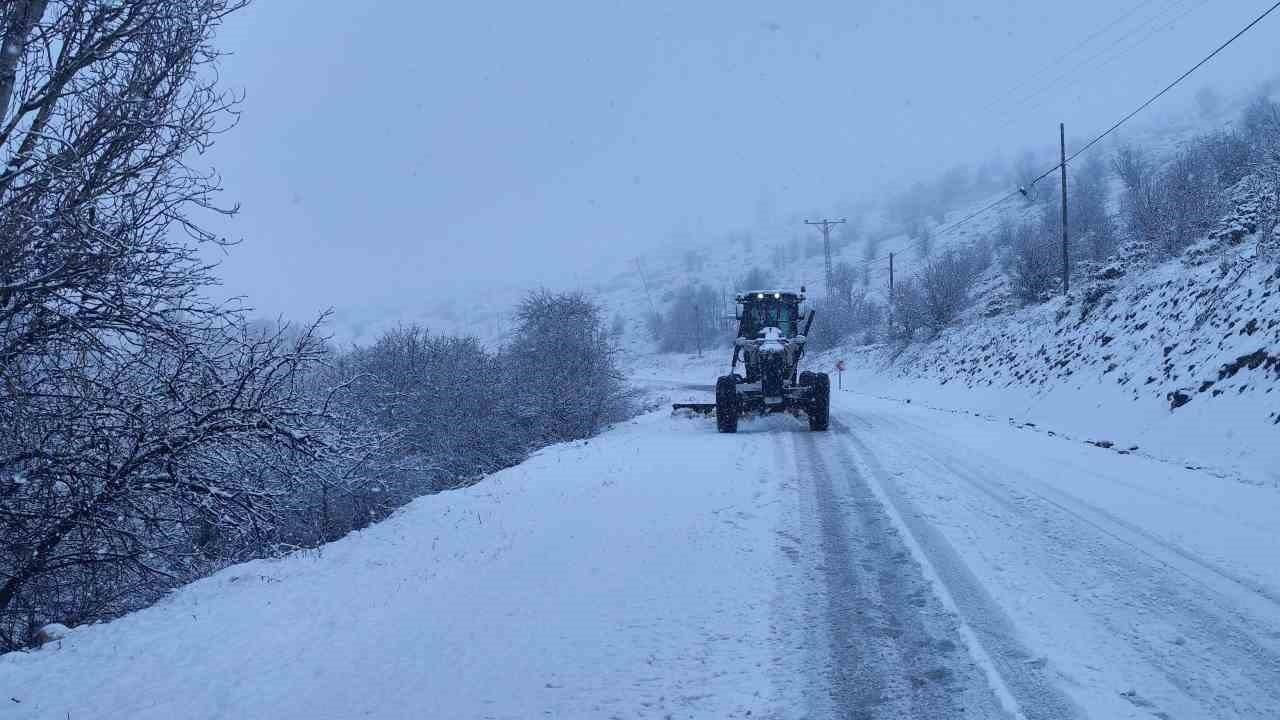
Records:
x=145, y=434
x=1192, y=199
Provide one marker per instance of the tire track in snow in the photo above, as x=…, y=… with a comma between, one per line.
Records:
x=1161, y=551
x=893, y=650
x=1222, y=665
x=1016, y=669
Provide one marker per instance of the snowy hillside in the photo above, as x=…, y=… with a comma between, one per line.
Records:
x=1177, y=359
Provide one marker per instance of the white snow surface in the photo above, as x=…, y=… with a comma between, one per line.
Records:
x=664, y=570
x=628, y=574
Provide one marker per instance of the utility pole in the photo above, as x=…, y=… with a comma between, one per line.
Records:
x=826, y=224
x=1066, y=263
x=891, y=277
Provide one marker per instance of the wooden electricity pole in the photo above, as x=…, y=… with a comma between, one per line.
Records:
x=826, y=224
x=891, y=277
x=1066, y=263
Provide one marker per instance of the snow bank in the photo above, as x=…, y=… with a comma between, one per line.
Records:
x=631, y=572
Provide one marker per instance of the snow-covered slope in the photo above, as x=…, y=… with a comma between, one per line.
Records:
x=1181, y=361
x=627, y=574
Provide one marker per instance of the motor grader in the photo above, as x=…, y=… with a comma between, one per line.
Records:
x=772, y=332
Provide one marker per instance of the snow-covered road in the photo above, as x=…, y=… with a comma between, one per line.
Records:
x=909, y=563
x=1130, y=582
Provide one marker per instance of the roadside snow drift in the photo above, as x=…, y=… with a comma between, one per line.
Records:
x=632, y=572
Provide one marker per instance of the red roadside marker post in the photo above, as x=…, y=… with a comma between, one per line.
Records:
x=839, y=374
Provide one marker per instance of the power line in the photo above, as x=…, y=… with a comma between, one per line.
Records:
x=1030, y=80
x=1153, y=26
x=1022, y=190
x=1160, y=94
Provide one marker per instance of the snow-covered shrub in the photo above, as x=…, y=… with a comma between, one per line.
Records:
x=945, y=282
x=859, y=317
x=1033, y=263
x=907, y=312
x=561, y=369
x=1192, y=199
x=1178, y=205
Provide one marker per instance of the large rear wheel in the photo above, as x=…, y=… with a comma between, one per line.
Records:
x=726, y=404
x=819, y=407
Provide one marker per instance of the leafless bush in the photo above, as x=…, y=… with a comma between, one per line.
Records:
x=1033, y=262
x=1192, y=199
x=945, y=283
x=1170, y=209
x=907, y=313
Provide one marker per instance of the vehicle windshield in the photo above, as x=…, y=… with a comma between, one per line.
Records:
x=760, y=315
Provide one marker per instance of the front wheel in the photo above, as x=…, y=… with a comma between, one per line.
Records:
x=727, y=404
x=819, y=409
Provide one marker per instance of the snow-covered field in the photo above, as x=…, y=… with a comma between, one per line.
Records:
x=909, y=563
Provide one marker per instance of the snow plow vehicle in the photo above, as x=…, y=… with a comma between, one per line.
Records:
x=770, y=344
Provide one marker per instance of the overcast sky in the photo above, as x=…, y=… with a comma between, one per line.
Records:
x=392, y=148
